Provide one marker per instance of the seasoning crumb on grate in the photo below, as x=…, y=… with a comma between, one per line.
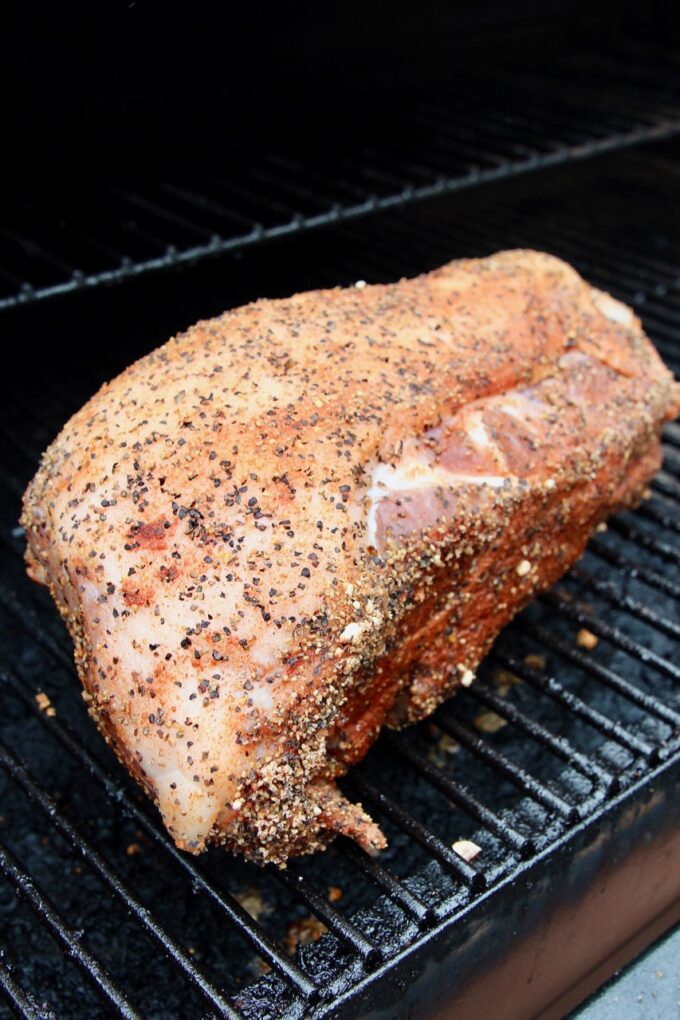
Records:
x=586, y=639
x=252, y=902
x=534, y=661
x=259, y=967
x=504, y=681
x=490, y=722
x=335, y=893
x=444, y=746
x=304, y=931
x=45, y=705
x=133, y=849
x=466, y=849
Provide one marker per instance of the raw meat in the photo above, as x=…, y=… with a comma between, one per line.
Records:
x=310, y=517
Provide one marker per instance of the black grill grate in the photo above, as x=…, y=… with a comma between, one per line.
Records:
x=165, y=196
x=550, y=735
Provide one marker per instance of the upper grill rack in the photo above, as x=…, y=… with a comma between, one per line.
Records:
x=220, y=190
x=549, y=734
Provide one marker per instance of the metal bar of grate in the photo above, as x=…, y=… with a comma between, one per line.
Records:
x=25, y=616
x=625, y=602
x=70, y=940
x=672, y=461
x=559, y=746
x=38, y=796
x=636, y=570
x=370, y=955
x=656, y=514
x=550, y=686
x=645, y=540
x=517, y=775
x=380, y=876
x=472, y=878
x=459, y=795
x=18, y=998
x=613, y=634
x=606, y=675
x=400, y=195
x=230, y=908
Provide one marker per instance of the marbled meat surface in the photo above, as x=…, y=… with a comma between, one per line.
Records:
x=308, y=518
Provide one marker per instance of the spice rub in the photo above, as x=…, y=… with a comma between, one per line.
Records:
x=308, y=518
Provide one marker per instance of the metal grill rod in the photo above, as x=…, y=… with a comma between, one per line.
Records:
x=79, y=280
x=586, y=244
x=648, y=268
x=613, y=634
x=650, y=577
x=606, y=675
x=654, y=513
x=472, y=878
x=460, y=795
x=376, y=873
x=18, y=998
x=644, y=539
x=625, y=602
x=541, y=122
x=521, y=136
x=559, y=746
x=656, y=317
x=19, y=774
x=672, y=463
x=69, y=939
x=665, y=344
x=235, y=913
x=370, y=955
x=550, y=686
x=512, y=771
x=25, y=616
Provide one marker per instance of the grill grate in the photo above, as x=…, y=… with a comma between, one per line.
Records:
x=514, y=118
x=549, y=737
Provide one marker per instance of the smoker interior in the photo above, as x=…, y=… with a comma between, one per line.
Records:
x=530, y=753
x=188, y=149
x=555, y=747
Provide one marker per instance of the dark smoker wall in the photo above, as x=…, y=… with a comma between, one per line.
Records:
x=65, y=56
x=86, y=85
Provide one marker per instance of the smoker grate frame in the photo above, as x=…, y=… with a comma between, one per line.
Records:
x=517, y=117
x=540, y=808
